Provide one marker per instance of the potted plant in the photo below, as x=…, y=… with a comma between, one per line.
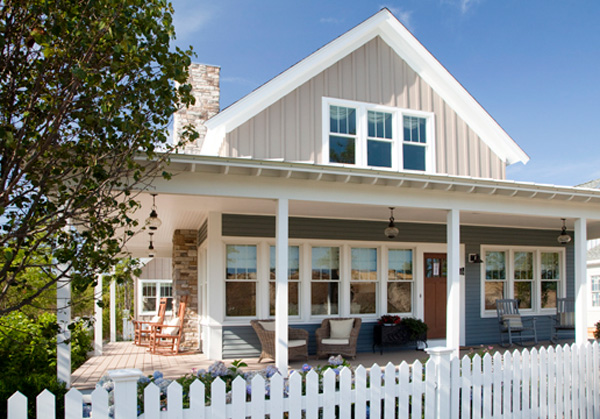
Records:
x=389, y=320
x=417, y=329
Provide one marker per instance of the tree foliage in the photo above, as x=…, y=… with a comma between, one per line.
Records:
x=87, y=91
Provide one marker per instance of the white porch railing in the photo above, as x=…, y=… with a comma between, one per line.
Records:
x=561, y=382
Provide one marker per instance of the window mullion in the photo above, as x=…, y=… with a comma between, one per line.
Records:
x=361, y=137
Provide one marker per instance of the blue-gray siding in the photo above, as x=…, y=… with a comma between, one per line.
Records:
x=242, y=341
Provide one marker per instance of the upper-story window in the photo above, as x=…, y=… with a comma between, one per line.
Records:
x=368, y=135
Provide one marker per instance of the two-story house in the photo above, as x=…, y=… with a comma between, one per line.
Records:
x=288, y=192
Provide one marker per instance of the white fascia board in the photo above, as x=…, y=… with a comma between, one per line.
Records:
x=451, y=91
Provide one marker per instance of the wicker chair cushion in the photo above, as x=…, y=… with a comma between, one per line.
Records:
x=340, y=329
x=335, y=341
x=172, y=330
x=512, y=320
x=566, y=319
x=268, y=326
x=296, y=343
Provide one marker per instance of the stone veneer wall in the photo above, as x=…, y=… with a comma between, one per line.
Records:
x=185, y=282
x=205, y=88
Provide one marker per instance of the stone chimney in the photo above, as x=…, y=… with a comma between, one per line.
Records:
x=205, y=88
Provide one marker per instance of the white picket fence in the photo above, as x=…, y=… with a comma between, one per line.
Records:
x=549, y=383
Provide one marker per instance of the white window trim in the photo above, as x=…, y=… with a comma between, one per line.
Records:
x=260, y=272
x=536, y=310
x=157, y=283
x=362, y=134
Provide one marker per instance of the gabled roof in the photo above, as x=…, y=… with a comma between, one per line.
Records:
x=386, y=26
x=592, y=184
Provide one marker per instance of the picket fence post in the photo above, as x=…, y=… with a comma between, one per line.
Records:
x=125, y=392
x=441, y=356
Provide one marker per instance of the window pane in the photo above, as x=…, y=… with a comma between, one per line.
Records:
x=493, y=291
x=523, y=294
x=379, y=124
x=324, y=298
x=240, y=298
x=166, y=290
x=415, y=130
x=342, y=120
x=549, y=294
x=292, y=298
x=400, y=265
x=363, y=298
x=550, y=266
x=523, y=265
x=495, y=265
x=364, y=264
x=293, y=262
x=241, y=262
x=325, y=263
x=399, y=297
x=149, y=300
x=149, y=290
x=414, y=157
x=342, y=150
x=149, y=304
x=379, y=153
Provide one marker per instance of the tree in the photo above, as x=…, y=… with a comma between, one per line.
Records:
x=87, y=91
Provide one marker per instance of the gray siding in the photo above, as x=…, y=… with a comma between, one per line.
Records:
x=478, y=330
x=291, y=128
x=202, y=233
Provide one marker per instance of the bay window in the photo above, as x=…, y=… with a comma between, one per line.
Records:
x=370, y=135
x=240, y=281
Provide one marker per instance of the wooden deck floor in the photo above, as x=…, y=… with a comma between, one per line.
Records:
x=120, y=355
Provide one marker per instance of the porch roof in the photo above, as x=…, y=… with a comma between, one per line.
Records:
x=203, y=184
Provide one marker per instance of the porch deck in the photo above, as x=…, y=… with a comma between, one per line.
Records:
x=118, y=355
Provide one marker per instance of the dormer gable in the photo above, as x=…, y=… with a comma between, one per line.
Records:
x=382, y=76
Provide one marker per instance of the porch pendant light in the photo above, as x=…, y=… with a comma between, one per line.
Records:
x=153, y=222
x=151, y=252
x=391, y=231
x=564, y=238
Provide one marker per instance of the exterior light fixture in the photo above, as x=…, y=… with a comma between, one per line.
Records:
x=391, y=231
x=475, y=258
x=151, y=252
x=563, y=238
x=153, y=222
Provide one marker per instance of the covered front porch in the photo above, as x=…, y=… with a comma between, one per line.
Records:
x=230, y=204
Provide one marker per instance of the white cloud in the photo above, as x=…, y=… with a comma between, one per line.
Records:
x=189, y=18
x=403, y=16
x=463, y=5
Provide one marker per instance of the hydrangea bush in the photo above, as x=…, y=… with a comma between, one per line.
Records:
x=218, y=370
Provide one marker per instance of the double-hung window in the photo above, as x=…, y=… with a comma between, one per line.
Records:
x=363, y=281
x=151, y=293
x=293, y=281
x=325, y=281
x=369, y=135
x=400, y=281
x=533, y=276
x=595, y=280
x=240, y=281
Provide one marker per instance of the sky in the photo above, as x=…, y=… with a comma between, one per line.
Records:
x=534, y=65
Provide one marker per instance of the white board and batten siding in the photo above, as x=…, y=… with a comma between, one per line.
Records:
x=552, y=382
x=291, y=128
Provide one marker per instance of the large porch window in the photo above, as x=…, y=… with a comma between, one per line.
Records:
x=363, y=281
x=533, y=276
x=240, y=281
x=400, y=281
x=293, y=281
x=325, y=281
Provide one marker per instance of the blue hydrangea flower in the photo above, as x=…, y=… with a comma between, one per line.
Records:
x=306, y=368
x=336, y=360
x=157, y=375
x=143, y=379
x=271, y=370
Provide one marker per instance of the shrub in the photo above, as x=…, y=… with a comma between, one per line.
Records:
x=28, y=356
x=597, y=331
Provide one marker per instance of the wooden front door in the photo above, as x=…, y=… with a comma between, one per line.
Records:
x=435, y=294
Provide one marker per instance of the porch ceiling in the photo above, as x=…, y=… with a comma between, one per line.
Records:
x=189, y=212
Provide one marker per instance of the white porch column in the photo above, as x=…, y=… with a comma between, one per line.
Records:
x=113, y=311
x=98, y=318
x=215, y=288
x=581, y=285
x=281, y=286
x=453, y=280
x=63, y=318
